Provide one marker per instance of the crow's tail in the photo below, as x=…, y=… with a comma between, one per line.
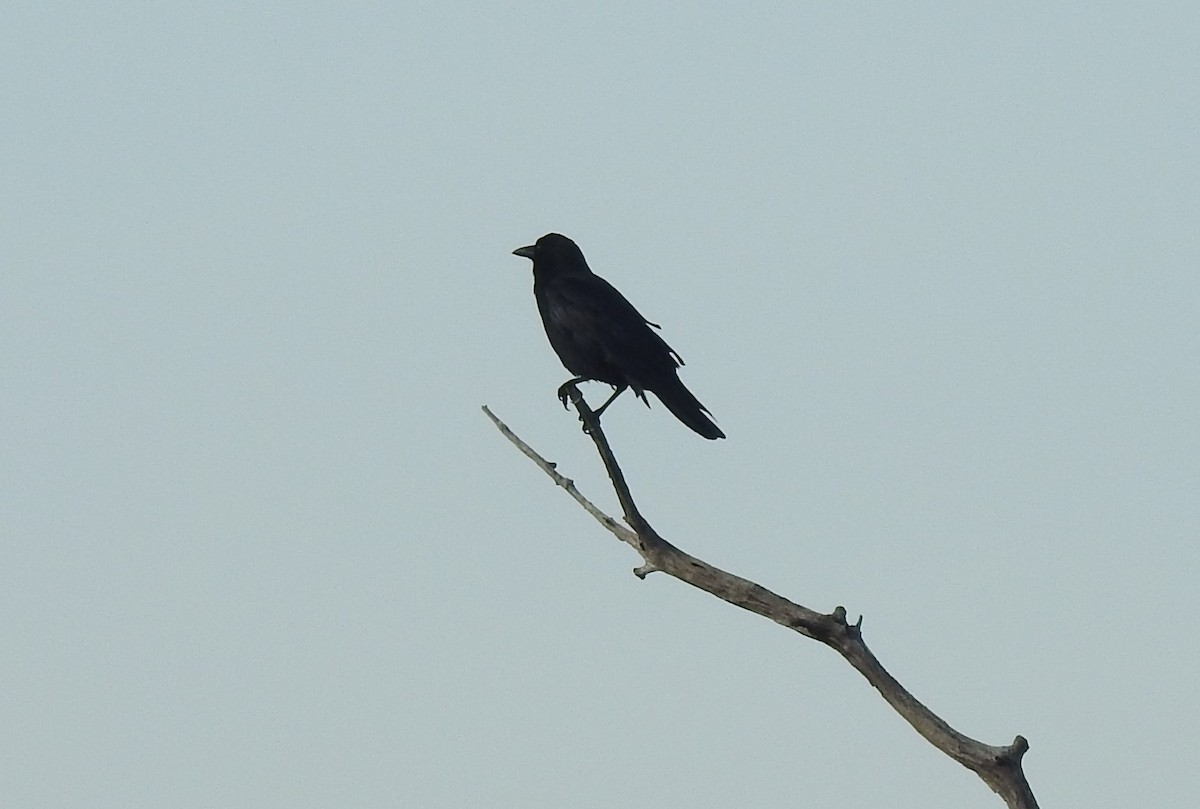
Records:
x=680, y=401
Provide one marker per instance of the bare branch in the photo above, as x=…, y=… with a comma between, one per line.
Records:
x=999, y=767
x=620, y=531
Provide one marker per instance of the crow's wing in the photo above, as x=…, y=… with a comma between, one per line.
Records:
x=599, y=334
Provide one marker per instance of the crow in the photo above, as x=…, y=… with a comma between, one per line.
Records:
x=599, y=336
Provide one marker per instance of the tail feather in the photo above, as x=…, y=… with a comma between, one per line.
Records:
x=685, y=407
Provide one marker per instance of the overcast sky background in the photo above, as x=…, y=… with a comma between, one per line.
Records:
x=934, y=269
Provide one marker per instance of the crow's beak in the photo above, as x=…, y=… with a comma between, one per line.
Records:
x=524, y=252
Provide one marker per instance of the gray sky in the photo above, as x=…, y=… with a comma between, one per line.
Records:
x=934, y=270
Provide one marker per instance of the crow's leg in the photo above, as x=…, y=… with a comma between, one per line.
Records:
x=621, y=389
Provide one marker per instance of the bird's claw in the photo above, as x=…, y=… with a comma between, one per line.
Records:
x=565, y=390
x=563, y=396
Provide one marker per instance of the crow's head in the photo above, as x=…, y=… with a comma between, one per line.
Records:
x=555, y=253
